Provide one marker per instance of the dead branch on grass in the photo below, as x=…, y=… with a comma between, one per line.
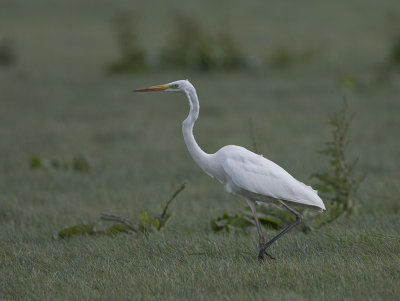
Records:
x=161, y=218
x=119, y=219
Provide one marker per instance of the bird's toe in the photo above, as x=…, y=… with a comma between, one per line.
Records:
x=263, y=252
x=269, y=255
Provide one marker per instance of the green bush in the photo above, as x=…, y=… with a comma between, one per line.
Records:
x=146, y=224
x=7, y=52
x=132, y=58
x=190, y=47
x=284, y=57
x=77, y=164
x=338, y=186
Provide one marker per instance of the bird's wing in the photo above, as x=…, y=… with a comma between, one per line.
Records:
x=254, y=173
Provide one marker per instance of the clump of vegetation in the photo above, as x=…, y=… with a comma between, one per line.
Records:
x=337, y=186
x=146, y=224
x=394, y=54
x=283, y=57
x=227, y=223
x=349, y=80
x=80, y=164
x=190, y=47
x=391, y=65
x=77, y=163
x=270, y=216
x=7, y=52
x=132, y=57
x=187, y=47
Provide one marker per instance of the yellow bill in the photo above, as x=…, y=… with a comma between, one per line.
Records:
x=153, y=88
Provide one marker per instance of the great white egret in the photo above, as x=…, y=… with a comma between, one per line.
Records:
x=243, y=172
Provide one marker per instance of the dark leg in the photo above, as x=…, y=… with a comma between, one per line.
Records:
x=288, y=228
x=261, y=239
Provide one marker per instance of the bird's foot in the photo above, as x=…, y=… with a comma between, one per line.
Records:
x=261, y=253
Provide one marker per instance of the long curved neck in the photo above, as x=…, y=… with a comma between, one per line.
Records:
x=199, y=156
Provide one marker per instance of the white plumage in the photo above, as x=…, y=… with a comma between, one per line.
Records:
x=243, y=172
x=262, y=179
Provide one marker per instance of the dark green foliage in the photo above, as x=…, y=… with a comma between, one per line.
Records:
x=228, y=222
x=80, y=164
x=339, y=184
x=394, y=55
x=190, y=47
x=77, y=229
x=313, y=220
x=35, y=162
x=283, y=57
x=388, y=71
x=89, y=229
x=146, y=223
x=182, y=48
x=59, y=164
x=7, y=52
x=270, y=216
x=349, y=80
x=117, y=229
x=187, y=47
x=77, y=164
x=230, y=55
x=132, y=57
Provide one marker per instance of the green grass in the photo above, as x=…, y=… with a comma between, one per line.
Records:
x=56, y=102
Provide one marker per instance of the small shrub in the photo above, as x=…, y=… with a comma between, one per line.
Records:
x=390, y=67
x=338, y=185
x=183, y=43
x=7, y=52
x=132, y=57
x=190, y=47
x=77, y=164
x=237, y=222
x=80, y=164
x=283, y=57
x=35, y=162
x=270, y=216
x=349, y=80
x=83, y=229
x=145, y=225
x=89, y=229
x=394, y=54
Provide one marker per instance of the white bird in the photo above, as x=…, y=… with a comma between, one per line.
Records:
x=243, y=172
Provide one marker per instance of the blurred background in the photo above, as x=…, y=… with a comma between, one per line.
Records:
x=67, y=71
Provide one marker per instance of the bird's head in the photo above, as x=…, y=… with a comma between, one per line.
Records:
x=176, y=86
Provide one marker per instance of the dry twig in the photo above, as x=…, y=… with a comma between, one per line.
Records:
x=168, y=202
x=127, y=222
x=120, y=219
x=253, y=135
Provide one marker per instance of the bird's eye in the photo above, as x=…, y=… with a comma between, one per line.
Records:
x=174, y=86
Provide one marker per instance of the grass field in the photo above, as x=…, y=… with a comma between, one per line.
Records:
x=57, y=102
